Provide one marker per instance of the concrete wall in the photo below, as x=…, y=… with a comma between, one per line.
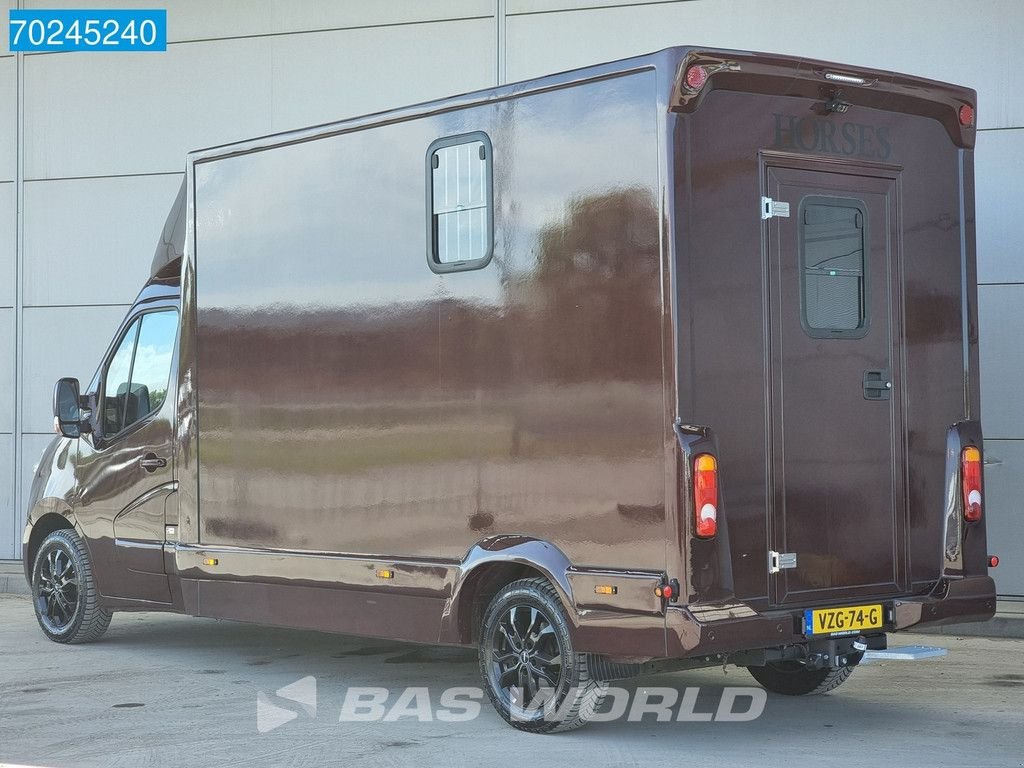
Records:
x=92, y=145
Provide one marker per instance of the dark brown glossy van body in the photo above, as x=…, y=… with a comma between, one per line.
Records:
x=344, y=411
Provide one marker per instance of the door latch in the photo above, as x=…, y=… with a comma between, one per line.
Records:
x=778, y=561
x=770, y=208
x=877, y=384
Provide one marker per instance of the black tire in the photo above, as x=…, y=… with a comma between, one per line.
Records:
x=527, y=617
x=64, y=591
x=792, y=678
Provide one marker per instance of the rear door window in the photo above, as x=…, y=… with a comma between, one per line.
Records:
x=833, y=239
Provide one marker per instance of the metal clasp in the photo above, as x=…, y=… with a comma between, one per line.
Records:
x=778, y=561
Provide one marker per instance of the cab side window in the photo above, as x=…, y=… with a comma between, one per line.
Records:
x=115, y=383
x=136, y=381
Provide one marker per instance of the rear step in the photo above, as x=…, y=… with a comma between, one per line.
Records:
x=904, y=653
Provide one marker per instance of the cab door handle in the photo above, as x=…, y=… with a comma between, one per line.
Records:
x=151, y=462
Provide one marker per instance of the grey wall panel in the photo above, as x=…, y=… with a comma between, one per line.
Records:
x=1004, y=492
x=201, y=94
x=7, y=371
x=10, y=530
x=60, y=341
x=8, y=223
x=90, y=241
x=203, y=20
x=515, y=7
x=939, y=40
x=142, y=118
x=5, y=7
x=1000, y=201
x=1000, y=327
x=321, y=77
x=8, y=114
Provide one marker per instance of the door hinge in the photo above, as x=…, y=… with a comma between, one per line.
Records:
x=770, y=208
x=778, y=561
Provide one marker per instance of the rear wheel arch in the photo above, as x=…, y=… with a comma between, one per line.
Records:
x=492, y=565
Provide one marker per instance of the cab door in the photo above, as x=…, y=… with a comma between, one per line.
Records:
x=125, y=471
x=838, y=506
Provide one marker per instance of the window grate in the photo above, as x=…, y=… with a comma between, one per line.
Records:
x=461, y=226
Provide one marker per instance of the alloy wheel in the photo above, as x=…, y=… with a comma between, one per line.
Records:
x=57, y=588
x=526, y=657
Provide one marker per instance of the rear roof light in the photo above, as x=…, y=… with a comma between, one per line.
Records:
x=966, y=115
x=696, y=76
x=705, y=495
x=836, y=77
x=970, y=480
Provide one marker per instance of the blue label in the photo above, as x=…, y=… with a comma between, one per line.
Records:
x=37, y=31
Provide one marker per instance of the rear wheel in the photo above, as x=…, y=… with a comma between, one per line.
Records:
x=64, y=591
x=534, y=678
x=794, y=679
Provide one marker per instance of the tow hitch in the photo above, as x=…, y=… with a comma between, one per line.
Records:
x=836, y=652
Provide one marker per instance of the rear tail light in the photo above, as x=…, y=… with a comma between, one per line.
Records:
x=705, y=495
x=970, y=480
x=966, y=114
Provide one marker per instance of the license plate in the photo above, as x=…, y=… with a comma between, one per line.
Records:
x=841, y=621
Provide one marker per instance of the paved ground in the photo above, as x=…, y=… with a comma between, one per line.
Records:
x=171, y=690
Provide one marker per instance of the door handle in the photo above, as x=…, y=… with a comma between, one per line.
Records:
x=877, y=385
x=151, y=462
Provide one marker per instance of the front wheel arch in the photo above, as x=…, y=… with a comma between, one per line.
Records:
x=41, y=528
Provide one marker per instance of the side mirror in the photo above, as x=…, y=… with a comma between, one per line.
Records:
x=67, y=409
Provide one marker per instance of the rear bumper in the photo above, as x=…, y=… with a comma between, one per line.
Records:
x=958, y=601
x=706, y=630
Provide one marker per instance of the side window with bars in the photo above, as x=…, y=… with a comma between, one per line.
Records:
x=459, y=202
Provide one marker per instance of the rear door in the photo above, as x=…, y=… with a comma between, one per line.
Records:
x=837, y=527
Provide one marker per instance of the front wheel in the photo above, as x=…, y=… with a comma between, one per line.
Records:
x=792, y=678
x=534, y=678
x=64, y=591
